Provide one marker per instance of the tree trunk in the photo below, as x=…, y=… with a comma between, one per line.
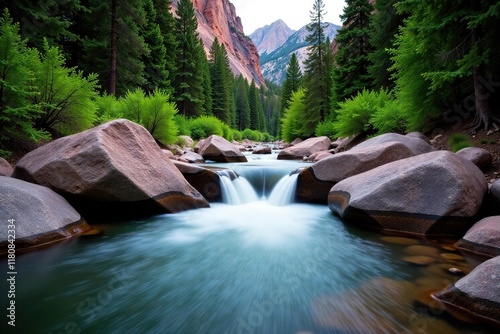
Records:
x=112, y=70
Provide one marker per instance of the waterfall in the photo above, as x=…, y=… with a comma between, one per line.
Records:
x=235, y=189
x=284, y=192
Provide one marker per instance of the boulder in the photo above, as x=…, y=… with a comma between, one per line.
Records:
x=169, y=154
x=483, y=238
x=198, y=145
x=479, y=156
x=296, y=141
x=477, y=294
x=434, y=194
x=315, y=182
x=318, y=156
x=305, y=148
x=206, y=181
x=188, y=141
x=117, y=167
x=262, y=150
x=415, y=144
x=5, y=168
x=419, y=135
x=192, y=157
x=219, y=149
x=495, y=192
x=248, y=143
x=39, y=215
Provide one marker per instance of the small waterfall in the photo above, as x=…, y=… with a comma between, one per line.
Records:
x=284, y=192
x=235, y=189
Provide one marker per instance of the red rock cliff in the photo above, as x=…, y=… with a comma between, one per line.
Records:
x=217, y=18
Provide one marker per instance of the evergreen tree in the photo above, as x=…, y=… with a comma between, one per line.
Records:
x=256, y=111
x=188, y=82
x=221, y=88
x=48, y=19
x=156, y=74
x=317, y=74
x=292, y=81
x=352, y=58
x=166, y=22
x=110, y=44
x=241, y=102
x=384, y=27
x=206, y=94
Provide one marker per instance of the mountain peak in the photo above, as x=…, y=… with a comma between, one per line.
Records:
x=270, y=37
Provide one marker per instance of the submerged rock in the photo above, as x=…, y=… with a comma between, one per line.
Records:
x=483, y=238
x=477, y=294
x=116, y=167
x=39, y=215
x=436, y=194
x=315, y=182
x=305, y=148
x=219, y=149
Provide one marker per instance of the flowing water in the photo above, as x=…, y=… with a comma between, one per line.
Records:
x=257, y=263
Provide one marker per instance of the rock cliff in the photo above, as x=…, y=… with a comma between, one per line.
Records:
x=217, y=18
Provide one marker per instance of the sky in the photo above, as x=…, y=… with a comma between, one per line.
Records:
x=295, y=13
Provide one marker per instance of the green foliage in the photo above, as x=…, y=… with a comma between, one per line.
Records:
x=205, y=126
x=459, y=141
x=252, y=135
x=182, y=125
x=354, y=115
x=108, y=109
x=292, y=119
x=5, y=154
x=155, y=112
x=16, y=112
x=326, y=128
x=242, y=105
x=64, y=95
x=237, y=135
x=227, y=132
x=389, y=118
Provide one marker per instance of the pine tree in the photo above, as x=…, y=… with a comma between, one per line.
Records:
x=166, y=22
x=317, y=74
x=188, y=82
x=292, y=81
x=256, y=111
x=156, y=74
x=352, y=58
x=241, y=102
x=384, y=27
x=221, y=89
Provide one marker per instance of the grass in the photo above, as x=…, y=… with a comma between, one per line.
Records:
x=459, y=141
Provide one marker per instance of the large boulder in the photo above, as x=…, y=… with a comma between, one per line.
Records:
x=206, y=181
x=415, y=144
x=435, y=194
x=219, y=149
x=483, y=238
x=262, y=150
x=192, y=157
x=38, y=215
x=315, y=182
x=477, y=294
x=118, y=165
x=305, y=148
x=5, y=168
x=479, y=156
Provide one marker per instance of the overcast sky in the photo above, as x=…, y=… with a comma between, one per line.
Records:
x=295, y=13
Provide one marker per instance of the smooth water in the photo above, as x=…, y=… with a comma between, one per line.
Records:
x=252, y=267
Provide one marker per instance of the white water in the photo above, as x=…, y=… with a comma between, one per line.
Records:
x=236, y=190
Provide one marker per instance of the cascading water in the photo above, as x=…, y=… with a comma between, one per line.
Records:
x=245, y=266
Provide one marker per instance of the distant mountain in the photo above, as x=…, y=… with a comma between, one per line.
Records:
x=273, y=64
x=269, y=38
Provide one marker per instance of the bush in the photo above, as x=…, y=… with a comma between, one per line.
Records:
x=389, y=118
x=108, y=109
x=291, y=121
x=237, y=135
x=154, y=112
x=326, y=128
x=227, y=132
x=355, y=114
x=267, y=137
x=252, y=135
x=459, y=141
x=182, y=125
x=205, y=126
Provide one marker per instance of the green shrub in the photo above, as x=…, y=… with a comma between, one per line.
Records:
x=108, y=109
x=355, y=114
x=252, y=135
x=459, y=141
x=227, y=132
x=237, y=135
x=389, y=118
x=205, y=126
x=291, y=122
x=154, y=112
x=326, y=128
x=182, y=125
x=267, y=137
